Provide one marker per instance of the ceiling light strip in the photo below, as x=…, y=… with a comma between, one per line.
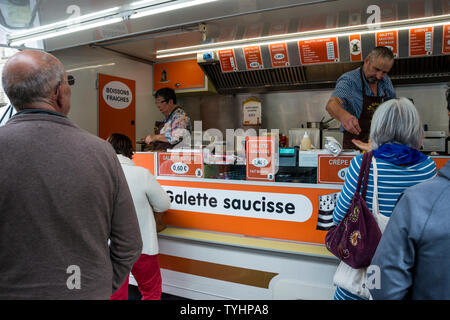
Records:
x=100, y=18
x=53, y=34
x=65, y=23
x=176, y=6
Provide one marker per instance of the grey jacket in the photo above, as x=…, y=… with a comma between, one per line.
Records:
x=413, y=254
x=63, y=195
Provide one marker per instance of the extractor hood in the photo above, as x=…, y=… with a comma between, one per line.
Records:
x=405, y=71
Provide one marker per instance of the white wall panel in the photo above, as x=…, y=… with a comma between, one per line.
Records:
x=85, y=63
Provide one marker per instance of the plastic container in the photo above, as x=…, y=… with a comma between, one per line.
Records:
x=306, y=142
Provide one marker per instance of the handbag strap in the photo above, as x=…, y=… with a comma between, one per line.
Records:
x=375, y=208
x=363, y=177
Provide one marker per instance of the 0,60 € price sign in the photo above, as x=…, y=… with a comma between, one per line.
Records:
x=180, y=168
x=183, y=164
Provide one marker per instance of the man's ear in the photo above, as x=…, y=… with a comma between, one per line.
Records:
x=366, y=59
x=59, y=97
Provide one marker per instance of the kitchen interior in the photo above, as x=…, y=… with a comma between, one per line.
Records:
x=293, y=98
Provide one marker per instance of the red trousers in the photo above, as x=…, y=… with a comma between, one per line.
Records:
x=148, y=277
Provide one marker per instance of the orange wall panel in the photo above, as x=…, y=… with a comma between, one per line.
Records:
x=186, y=73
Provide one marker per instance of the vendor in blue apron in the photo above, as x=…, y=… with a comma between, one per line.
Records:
x=357, y=95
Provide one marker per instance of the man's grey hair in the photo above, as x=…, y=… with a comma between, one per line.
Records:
x=381, y=51
x=34, y=86
x=396, y=120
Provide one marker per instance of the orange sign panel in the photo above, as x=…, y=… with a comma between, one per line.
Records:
x=355, y=47
x=279, y=55
x=446, y=39
x=270, y=211
x=440, y=162
x=116, y=106
x=146, y=160
x=227, y=60
x=253, y=58
x=180, y=164
x=332, y=169
x=261, y=158
x=421, y=41
x=178, y=75
x=388, y=39
x=324, y=50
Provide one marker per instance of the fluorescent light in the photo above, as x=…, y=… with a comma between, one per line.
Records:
x=98, y=14
x=172, y=7
x=52, y=34
x=293, y=37
x=92, y=67
x=135, y=10
x=147, y=2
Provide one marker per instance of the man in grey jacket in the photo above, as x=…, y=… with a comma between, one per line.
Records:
x=68, y=226
x=413, y=254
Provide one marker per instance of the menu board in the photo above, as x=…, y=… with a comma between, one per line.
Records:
x=227, y=60
x=180, y=164
x=355, y=47
x=253, y=58
x=421, y=41
x=278, y=51
x=446, y=39
x=261, y=158
x=324, y=50
x=279, y=55
x=388, y=39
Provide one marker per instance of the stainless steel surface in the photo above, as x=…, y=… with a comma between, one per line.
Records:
x=435, y=134
x=433, y=144
x=284, y=110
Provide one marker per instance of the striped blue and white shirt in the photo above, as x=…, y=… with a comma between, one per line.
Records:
x=392, y=181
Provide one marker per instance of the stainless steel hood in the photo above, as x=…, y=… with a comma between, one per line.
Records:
x=405, y=71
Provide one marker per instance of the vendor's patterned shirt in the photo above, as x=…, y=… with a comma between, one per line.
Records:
x=177, y=125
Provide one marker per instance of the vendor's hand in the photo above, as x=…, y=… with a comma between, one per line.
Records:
x=351, y=124
x=362, y=145
x=148, y=139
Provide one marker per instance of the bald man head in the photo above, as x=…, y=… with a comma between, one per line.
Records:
x=35, y=79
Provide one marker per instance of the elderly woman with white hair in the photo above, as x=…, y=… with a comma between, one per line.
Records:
x=396, y=136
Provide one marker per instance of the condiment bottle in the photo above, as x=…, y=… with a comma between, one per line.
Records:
x=306, y=142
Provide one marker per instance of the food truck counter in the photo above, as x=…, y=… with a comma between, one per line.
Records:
x=224, y=232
